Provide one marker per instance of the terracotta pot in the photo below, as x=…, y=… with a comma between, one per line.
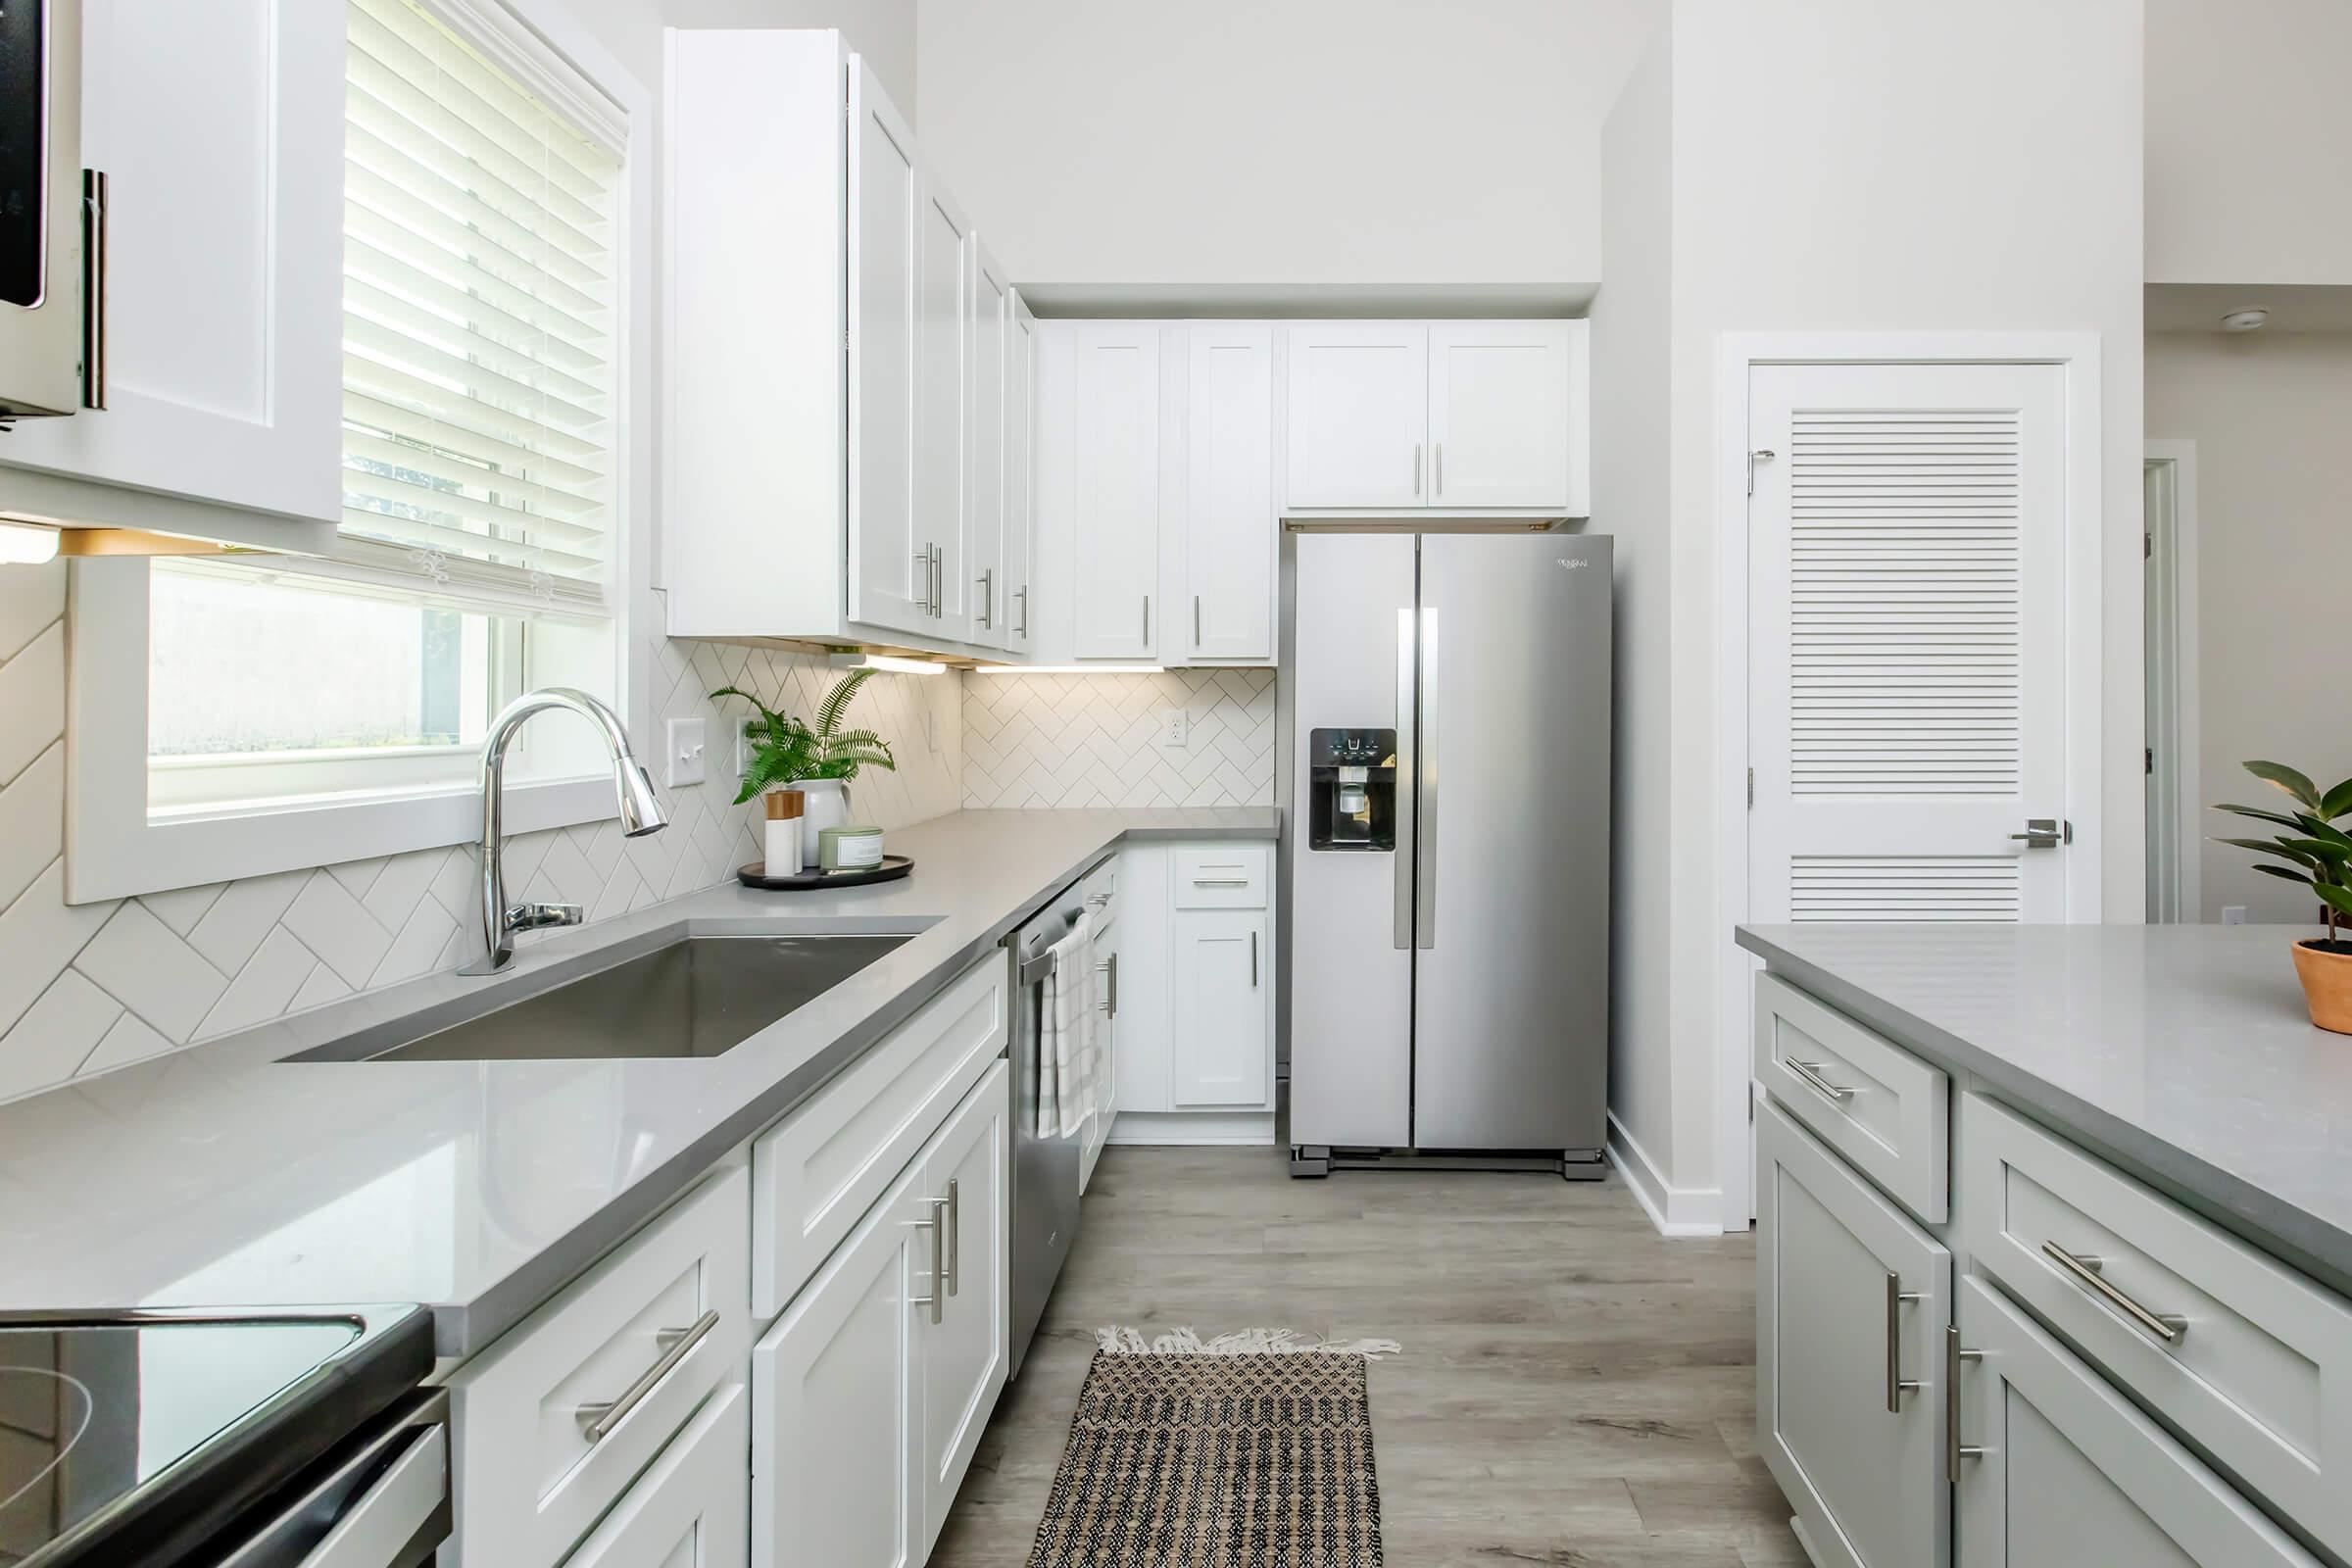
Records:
x=2326, y=985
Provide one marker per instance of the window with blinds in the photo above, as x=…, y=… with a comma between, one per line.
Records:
x=478, y=294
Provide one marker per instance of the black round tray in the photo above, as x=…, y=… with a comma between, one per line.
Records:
x=892, y=867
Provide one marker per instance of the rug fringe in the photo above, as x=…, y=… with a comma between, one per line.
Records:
x=1123, y=1340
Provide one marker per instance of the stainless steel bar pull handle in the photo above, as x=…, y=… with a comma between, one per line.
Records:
x=1425, y=810
x=1196, y=621
x=1437, y=469
x=1254, y=960
x=1022, y=594
x=1147, y=620
x=1896, y=1384
x=939, y=582
x=937, y=1225
x=1416, y=468
x=1809, y=1072
x=93, y=288
x=922, y=591
x=988, y=597
x=1954, y=1451
x=2166, y=1328
x=955, y=1235
x=1109, y=969
x=597, y=1421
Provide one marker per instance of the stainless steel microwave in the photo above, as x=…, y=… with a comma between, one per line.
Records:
x=51, y=355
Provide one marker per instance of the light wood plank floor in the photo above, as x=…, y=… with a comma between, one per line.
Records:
x=1574, y=1391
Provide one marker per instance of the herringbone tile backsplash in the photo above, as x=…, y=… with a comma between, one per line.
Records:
x=88, y=987
x=1100, y=740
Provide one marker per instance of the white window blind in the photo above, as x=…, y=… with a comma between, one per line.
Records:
x=478, y=290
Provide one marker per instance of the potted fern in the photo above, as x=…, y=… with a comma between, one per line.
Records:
x=819, y=760
x=2317, y=855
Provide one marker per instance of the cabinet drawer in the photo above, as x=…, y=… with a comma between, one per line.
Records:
x=816, y=1171
x=2256, y=1371
x=2054, y=1466
x=1222, y=876
x=1887, y=1112
x=693, y=1509
x=531, y=1473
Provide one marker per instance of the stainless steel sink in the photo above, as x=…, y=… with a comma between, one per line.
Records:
x=692, y=996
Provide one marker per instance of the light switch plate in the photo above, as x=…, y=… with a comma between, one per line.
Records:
x=685, y=752
x=1171, y=729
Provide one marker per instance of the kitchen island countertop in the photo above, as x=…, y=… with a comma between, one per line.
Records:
x=223, y=1175
x=2182, y=1053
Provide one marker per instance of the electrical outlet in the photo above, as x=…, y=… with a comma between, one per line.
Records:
x=685, y=752
x=1171, y=729
x=2233, y=914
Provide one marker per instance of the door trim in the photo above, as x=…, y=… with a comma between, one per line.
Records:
x=2176, y=884
x=1738, y=355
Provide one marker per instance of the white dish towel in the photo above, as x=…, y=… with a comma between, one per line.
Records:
x=1065, y=1044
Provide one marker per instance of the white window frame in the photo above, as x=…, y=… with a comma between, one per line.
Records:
x=113, y=848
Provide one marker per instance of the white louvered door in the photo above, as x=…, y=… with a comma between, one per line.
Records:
x=1906, y=659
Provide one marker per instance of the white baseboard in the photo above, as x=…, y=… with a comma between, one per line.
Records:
x=1201, y=1127
x=1674, y=1211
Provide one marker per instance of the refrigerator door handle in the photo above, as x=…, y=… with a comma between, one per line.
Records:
x=1403, y=867
x=1425, y=826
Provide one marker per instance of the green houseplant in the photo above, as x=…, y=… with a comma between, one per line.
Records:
x=787, y=751
x=2317, y=855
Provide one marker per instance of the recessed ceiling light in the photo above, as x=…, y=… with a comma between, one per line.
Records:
x=2247, y=320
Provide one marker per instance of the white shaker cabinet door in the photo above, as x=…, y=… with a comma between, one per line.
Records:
x=1223, y=964
x=1230, y=532
x=1114, y=462
x=219, y=125
x=985, y=514
x=2056, y=1468
x=1851, y=1301
x=1499, y=413
x=942, y=342
x=692, y=1509
x=835, y=1412
x=964, y=1361
x=890, y=562
x=1358, y=414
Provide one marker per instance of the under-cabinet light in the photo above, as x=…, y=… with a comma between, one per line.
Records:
x=889, y=663
x=1070, y=669
x=25, y=544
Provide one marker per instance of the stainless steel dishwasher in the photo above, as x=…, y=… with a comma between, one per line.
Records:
x=1044, y=1169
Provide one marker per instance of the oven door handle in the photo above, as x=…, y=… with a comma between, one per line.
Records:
x=385, y=1506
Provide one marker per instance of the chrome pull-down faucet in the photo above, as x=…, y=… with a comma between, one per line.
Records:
x=640, y=813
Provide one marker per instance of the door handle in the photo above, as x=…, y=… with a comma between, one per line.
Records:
x=922, y=594
x=1416, y=468
x=1021, y=596
x=1196, y=622
x=2045, y=833
x=1254, y=960
x=1896, y=1384
x=988, y=598
x=597, y=1421
x=1403, y=869
x=1147, y=622
x=1954, y=1451
x=937, y=1225
x=1809, y=1074
x=955, y=1235
x=939, y=582
x=1425, y=835
x=1437, y=468
x=1109, y=968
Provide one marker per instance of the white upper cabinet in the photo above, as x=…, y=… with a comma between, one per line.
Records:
x=1358, y=414
x=1230, y=530
x=1499, y=413
x=889, y=586
x=836, y=426
x=219, y=125
x=1451, y=416
x=1020, y=478
x=1115, y=468
x=984, y=510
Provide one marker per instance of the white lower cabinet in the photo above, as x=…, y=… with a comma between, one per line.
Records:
x=845, y=1392
x=693, y=1509
x=2059, y=1469
x=1222, y=977
x=1851, y=1299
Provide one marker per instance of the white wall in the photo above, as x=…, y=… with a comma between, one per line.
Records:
x=1855, y=166
x=2250, y=131
x=1325, y=143
x=882, y=30
x=1632, y=354
x=2269, y=415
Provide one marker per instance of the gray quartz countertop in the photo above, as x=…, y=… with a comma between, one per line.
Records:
x=226, y=1176
x=2182, y=1053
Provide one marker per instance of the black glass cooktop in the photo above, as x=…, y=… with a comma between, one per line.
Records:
x=97, y=1416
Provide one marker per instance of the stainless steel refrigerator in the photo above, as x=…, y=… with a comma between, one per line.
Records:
x=1446, y=772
